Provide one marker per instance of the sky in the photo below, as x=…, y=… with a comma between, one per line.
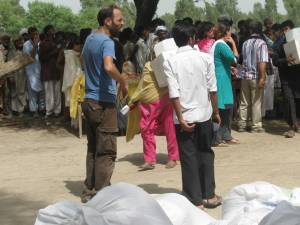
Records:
x=163, y=7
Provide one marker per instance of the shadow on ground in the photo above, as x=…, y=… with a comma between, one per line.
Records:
x=56, y=126
x=156, y=189
x=74, y=187
x=17, y=210
x=137, y=159
x=274, y=127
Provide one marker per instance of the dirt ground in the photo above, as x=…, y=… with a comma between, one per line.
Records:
x=41, y=165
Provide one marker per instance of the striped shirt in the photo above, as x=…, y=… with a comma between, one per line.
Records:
x=255, y=51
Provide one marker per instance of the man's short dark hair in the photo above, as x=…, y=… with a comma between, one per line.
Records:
x=267, y=20
x=47, y=28
x=32, y=29
x=255, y=27
x=84, y=33
x=106, y=12
x=276, y=27
x=188, y=20
x=287, y=23
x=182, y=32
x=225, y=19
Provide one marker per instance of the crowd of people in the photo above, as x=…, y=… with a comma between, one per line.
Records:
x=216, y=76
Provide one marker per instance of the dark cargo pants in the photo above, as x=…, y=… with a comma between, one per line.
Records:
x=101, y=126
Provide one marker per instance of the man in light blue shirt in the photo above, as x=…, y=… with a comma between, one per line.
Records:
x=99, y=106
x=99, y=85
x=33, y=73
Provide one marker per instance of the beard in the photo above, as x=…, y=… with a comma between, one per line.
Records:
x=114, y=30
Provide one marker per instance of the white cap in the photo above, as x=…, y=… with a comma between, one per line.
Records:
x=23, y=31
x=160, y=28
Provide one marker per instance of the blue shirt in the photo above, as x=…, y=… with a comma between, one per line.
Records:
x=33, y=70
x=99, y=85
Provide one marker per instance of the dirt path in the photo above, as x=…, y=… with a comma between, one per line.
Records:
x=41, y=165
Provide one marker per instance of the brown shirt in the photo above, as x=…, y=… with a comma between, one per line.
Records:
x=48, y=53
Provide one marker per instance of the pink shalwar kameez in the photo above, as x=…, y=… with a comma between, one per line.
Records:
x=157, y=119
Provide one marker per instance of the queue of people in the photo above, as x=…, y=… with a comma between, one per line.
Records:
x=215, y=77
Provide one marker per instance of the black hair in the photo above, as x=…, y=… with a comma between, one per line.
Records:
x=287, y=23
x=47, y=28
x=276, y=27
x=42, y=36
x=188, y=20
x=203, y=29
x=83, y=34
x=125, y=35
x=106, y=12
x=157, y=22
x=266, y=20
x=197, y=23
x=241, y=24
x=32, y=29
x=182, y=32
x=221, y=30
x=140, y=30
x=255, y=27
x=74, y=40
x=225, y=19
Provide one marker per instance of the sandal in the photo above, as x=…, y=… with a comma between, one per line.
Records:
x=233, y=141
x=147, y=166
x=220, y=145
x=213, y=202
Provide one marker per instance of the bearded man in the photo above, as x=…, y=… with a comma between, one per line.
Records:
x=99, y=106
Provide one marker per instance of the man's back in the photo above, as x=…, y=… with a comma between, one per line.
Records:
x=255, y=51
x=99, y=85
x=191, y=77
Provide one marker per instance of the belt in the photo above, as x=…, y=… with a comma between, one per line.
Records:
x=104, y=104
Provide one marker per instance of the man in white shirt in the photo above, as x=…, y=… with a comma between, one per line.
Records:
x=192, y=89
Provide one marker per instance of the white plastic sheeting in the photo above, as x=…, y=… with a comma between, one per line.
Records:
x=119, y=204
x=182, y=212
x=258, y=203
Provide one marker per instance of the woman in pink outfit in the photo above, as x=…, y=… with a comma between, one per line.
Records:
x=205, y=35
x=157, y=119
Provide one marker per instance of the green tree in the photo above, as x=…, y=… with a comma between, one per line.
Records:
x=258, y=13
x=40, y=14
x=87, y=18
x=11, y=16
x=169, y=19
x=211, y=13
x=292, y=7
x=97, y=3
x=228, y=7
x=129, y=12
x=271, y=10
x=88, y=15
x=187, y=8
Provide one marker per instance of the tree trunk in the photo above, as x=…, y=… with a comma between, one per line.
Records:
x=145, y=10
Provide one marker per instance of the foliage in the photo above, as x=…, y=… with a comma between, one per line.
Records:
x=169, y=19
x=11, y=15
x=40, y=14
x=187, y=8
x=228, y=7
x=90, y=8
x=292, y=7
x=258, y=13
